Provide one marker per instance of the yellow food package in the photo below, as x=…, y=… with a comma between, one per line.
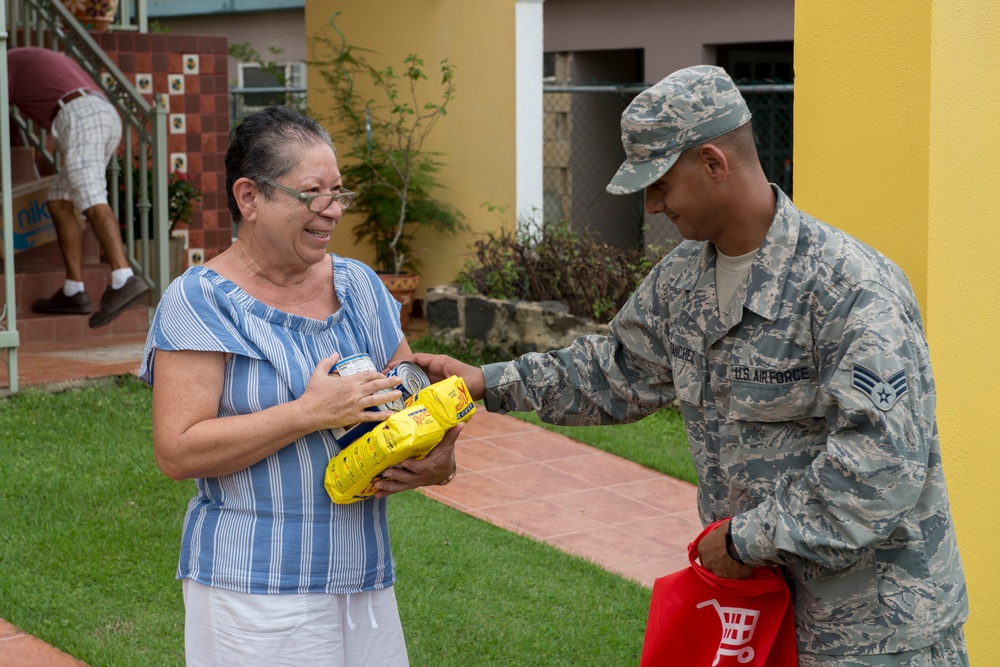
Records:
x=410, y=433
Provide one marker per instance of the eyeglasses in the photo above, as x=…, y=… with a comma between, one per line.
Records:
x=315, y=203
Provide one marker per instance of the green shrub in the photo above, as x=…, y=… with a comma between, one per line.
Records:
x=593, y=279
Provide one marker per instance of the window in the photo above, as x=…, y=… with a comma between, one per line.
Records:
x=283, y=85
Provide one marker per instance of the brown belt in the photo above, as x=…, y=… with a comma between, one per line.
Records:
x=67, y=98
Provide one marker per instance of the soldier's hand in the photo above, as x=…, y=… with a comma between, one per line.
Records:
x=440, y=366
x=714, y=557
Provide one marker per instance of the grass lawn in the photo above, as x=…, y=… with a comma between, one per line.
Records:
x=472, y=594
x=92, y=531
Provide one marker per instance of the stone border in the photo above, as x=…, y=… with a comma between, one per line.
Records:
x=509, y=326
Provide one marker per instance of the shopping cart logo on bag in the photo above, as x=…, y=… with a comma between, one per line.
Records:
x=737, y=631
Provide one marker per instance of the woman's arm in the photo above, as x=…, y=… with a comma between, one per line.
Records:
x=191, y=440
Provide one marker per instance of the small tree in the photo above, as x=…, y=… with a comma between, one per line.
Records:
x=395, y=178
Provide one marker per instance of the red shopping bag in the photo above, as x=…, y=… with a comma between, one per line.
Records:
x=697, y=619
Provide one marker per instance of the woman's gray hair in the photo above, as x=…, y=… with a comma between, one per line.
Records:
x=265, y=146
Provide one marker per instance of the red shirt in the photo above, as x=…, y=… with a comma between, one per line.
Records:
x=38, y=78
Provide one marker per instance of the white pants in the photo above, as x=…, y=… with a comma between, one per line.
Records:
x=223, y=628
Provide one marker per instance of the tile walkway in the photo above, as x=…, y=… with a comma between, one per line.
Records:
x=615, y=513
x=619, y=515
x=61, y=365
x=22, y=650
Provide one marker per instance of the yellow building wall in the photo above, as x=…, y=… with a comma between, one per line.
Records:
x=897, y=141
x=475, y=139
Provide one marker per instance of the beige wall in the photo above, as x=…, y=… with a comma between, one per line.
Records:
x=476, y=138
x=909, y=162
x=673, y=34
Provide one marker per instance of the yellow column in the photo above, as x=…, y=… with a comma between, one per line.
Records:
x=897, y=141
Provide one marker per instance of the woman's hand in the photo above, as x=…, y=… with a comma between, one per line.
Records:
x=434, y=468
x=333, y=400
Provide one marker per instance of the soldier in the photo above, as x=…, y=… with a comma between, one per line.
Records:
x=803, y=374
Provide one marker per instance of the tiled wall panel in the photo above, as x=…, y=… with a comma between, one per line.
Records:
x=191, y=71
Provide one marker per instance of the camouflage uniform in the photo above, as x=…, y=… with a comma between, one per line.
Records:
x=810, y=415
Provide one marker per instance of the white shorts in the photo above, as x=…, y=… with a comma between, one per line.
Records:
x=223, y=628
x=87, y=131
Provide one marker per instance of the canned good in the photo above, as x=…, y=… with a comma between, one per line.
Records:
x=409, y=433
x=359, y=363
x=412, y=380
x=356, y=363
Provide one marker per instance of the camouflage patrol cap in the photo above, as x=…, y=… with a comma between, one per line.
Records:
x=686, y=109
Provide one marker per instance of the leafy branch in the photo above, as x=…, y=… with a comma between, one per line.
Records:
x=394, y=175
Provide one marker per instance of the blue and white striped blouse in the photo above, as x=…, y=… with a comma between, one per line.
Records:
x=272, y=528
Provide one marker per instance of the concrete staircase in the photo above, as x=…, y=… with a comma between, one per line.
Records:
x=39, y=272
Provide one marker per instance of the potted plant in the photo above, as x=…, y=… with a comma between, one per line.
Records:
x=97, y=15
x=382, y=138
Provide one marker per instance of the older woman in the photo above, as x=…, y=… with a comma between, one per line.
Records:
x=273, y=572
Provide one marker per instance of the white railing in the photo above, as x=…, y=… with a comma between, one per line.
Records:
x=9, y=339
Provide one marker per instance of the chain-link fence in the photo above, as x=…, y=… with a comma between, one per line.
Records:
x=771, y=106
x=583, y=151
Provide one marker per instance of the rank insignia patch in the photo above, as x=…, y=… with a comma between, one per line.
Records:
x=883, y=393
